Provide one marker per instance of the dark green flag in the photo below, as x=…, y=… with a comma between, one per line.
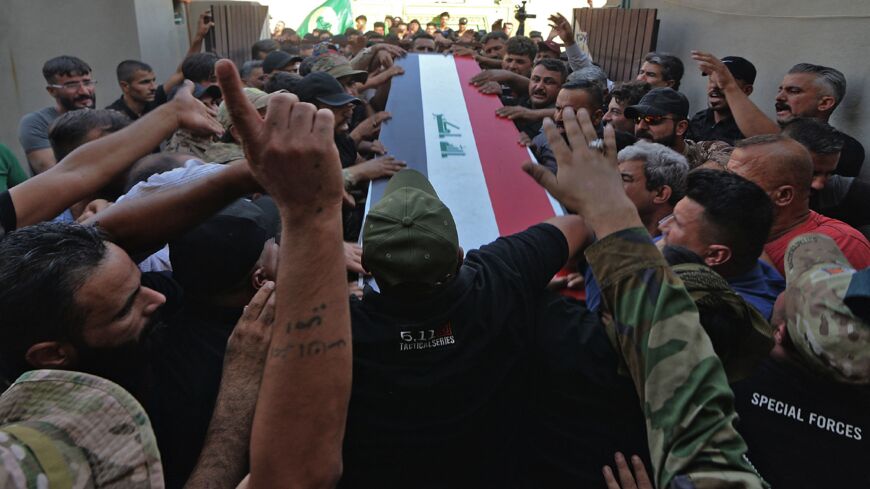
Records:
x=332, y=15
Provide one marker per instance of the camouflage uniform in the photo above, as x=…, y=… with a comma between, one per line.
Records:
x=183, y=141
x=826, y=334
x=680, y=381
x=694, y=153
x=71, y=430
x=750, y=334
x=224, y=153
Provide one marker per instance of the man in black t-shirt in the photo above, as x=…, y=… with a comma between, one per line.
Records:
x=438, y=351
x=804, y=413
x=140, y=90
x=716, y=123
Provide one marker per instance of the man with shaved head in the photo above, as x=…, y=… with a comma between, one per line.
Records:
x=783, y=168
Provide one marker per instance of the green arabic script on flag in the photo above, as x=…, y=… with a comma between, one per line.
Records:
x=332, y=15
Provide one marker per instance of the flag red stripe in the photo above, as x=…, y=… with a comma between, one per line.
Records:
x=517, y=201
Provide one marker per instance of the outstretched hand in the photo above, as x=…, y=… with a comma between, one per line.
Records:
x=587, y=180
x=291, y=152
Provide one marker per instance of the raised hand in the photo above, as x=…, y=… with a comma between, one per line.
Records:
x=206, y=22
x=562, y=27
x=587, y=180
x=194, y=115
x=719, y=74
x=291, y=152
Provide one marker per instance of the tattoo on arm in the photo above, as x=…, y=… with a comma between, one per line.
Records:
x=311, y=349
x=311, y=322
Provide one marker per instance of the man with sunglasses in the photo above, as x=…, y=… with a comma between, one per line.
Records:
x=661, y=117
x=70, y=84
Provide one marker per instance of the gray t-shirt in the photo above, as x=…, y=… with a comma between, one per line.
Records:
x=33, y=129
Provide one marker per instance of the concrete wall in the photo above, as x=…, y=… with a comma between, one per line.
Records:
x=101, y=32
x=774, y=35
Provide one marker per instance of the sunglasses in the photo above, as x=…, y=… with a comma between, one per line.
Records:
x=652, y=120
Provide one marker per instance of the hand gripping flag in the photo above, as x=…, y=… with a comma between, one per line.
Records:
x=447, y=130
x=332, y=15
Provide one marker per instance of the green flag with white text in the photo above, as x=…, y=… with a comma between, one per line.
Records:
x=332, y=15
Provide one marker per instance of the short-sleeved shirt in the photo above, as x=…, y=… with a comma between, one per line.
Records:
x=11, y=173
x=852, y=243
x=703, y=127
x=33, y=129
x=436, y=379
x=804, y=431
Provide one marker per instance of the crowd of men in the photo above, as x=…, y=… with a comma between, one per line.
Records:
x=180, y=302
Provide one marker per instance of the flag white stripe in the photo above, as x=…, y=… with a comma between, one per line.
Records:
x=458, y=178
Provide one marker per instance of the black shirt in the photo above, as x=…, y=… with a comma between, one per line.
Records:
x=437, y=380
x=8, y=218
x=581, y=410
x=851, y=157
x=186, y=368
x=346, y=149
x=120, y=106
x=703, y=127
x=804, y=431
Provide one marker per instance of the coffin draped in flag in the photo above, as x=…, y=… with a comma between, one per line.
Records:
x=332, y=15
x=447, y=130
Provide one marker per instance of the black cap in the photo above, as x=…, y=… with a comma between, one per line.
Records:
x=741, y=68
x=322, y=87
x=216, y=256
x=199, y=91
x=277, y=60
x=660, y=101
x=463, y=21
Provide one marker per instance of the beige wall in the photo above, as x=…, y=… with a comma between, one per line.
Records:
x=101, y=32
x=774, y=35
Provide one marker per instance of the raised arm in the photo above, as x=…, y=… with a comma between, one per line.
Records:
x=302, y=407
x=576, y=57
x=749, y=118
x=202, y=28
x=93, y=165
x=223, y=461
x=146, y=223
x=681, y=384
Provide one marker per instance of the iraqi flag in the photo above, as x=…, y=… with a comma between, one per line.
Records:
x=447, y=130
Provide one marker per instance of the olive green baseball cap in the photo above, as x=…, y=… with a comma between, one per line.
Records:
x=258, y=98
x=338, y=67
x=409, y=236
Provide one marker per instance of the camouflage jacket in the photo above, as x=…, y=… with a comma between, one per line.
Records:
x=684, y=394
